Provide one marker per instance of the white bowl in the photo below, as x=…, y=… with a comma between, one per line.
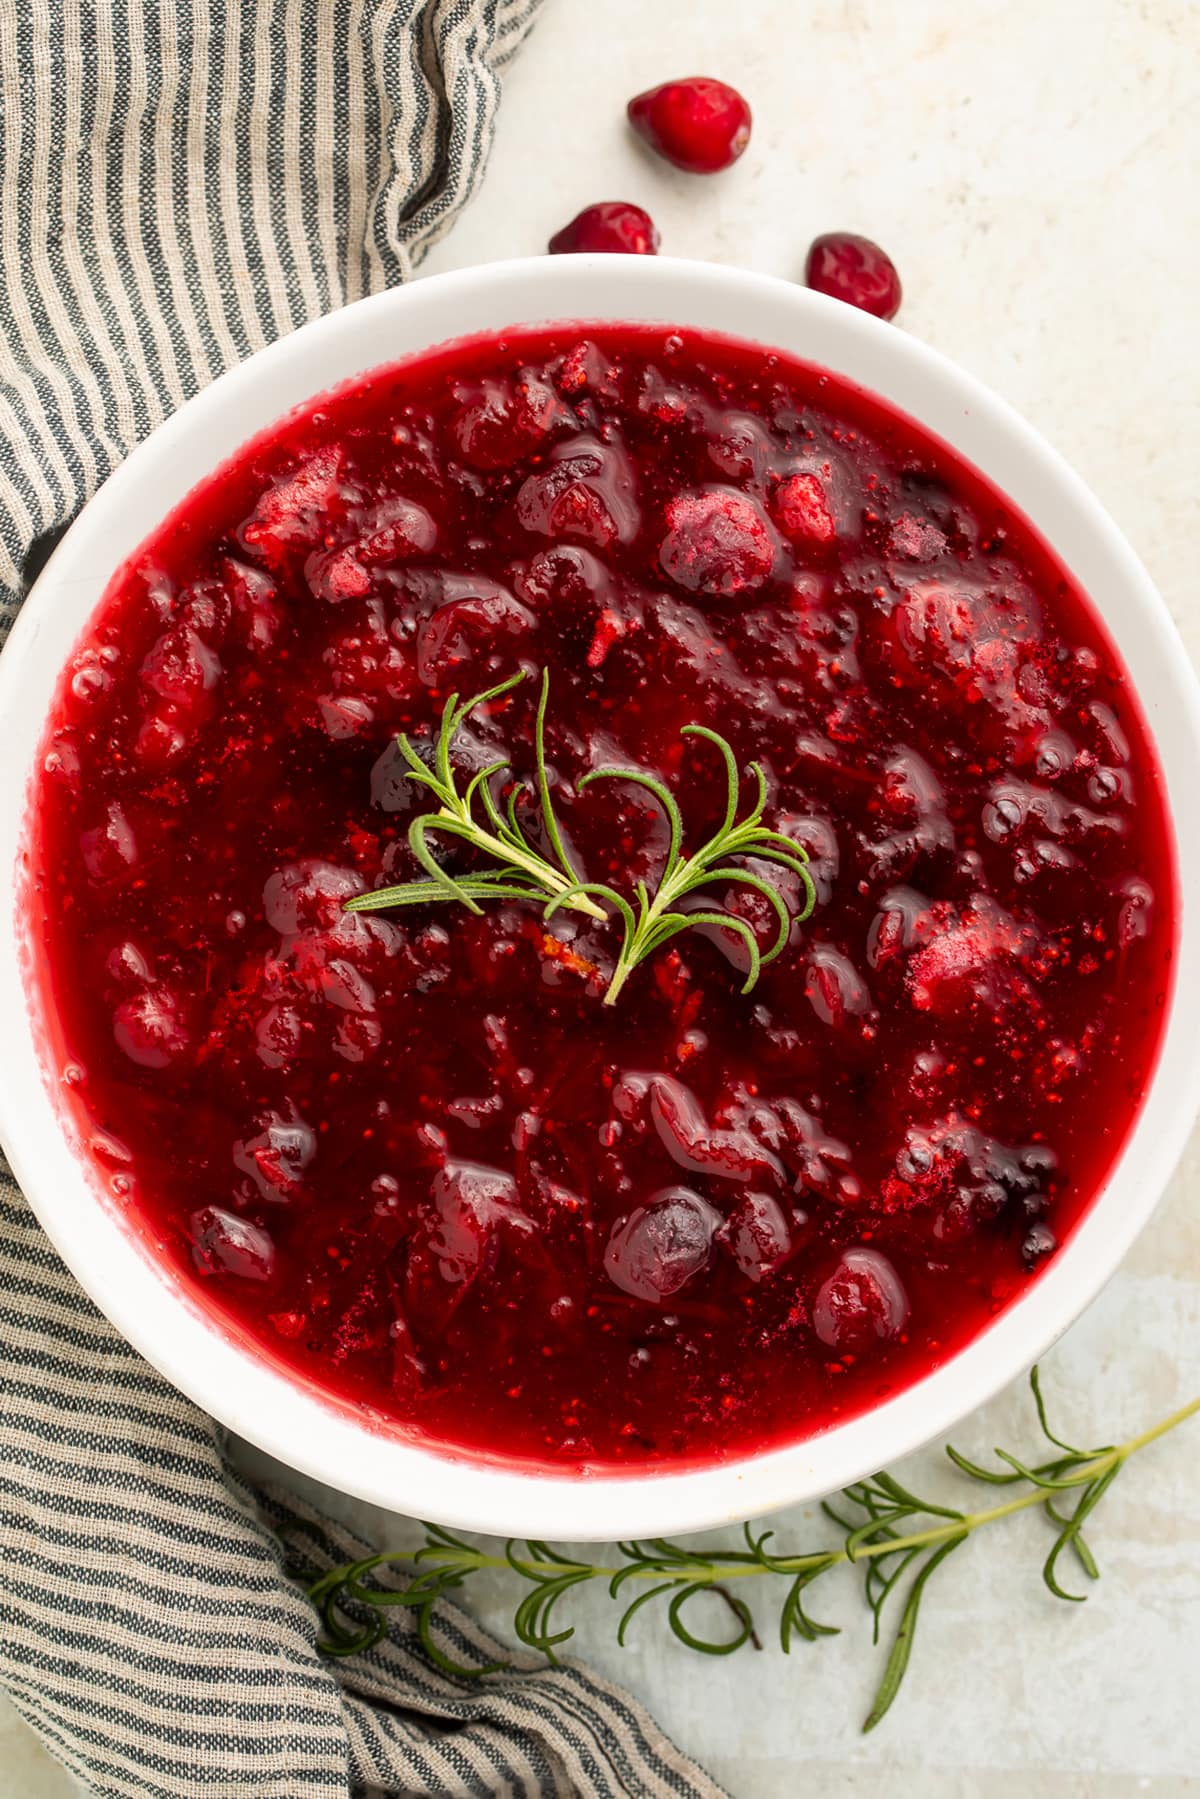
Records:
x=138, y=1292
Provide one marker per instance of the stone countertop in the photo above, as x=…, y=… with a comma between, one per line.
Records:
x=1031, y=167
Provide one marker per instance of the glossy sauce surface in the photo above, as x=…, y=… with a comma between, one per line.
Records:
x=411, y=1153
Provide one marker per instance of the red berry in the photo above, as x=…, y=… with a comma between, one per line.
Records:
x=854, y=269
x=717, y=542
x=294, y=513
x=614, y=225
x=308, y=896
x=801, y=510
x=584, y=491
x=757, y=1233
x=503, y=421
x=862, y=1305
x=149, y=1028
x=698, y=124
x=659, y=1247
x=225, y=1243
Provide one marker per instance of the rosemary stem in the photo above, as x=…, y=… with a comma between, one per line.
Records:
x=707, y=1572
x=633, y=950
x=892, y=1561
x=554, y=879
x=621, y=974
x=532, y=865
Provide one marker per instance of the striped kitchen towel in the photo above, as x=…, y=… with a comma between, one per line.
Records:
x=180, y=182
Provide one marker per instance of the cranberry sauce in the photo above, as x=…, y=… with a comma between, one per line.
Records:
x=412, y=1153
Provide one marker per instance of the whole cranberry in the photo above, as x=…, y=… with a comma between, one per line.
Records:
x=862, y=1305
x=698, y=124
x=717, y=542
x=226, y=1243
x=661, y=1245
x=856, y=270
x=614, y=225
x=149, y=1028
x=800, y=508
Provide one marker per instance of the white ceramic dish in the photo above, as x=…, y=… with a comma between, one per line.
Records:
x=138, y=1293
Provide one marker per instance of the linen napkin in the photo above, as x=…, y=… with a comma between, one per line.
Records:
x=180, y=182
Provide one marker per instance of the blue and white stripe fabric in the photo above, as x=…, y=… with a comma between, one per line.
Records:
x=182, y=181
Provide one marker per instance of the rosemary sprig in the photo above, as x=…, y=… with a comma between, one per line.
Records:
x=521, y=871
x=874, y=1516
x=655, y=920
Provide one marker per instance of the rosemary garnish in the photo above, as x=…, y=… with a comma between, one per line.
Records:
x=872, y=1516
x=521, y=871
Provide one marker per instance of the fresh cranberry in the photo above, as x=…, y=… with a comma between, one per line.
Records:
x=612, y=225
x=854, y=269
x=699, y=124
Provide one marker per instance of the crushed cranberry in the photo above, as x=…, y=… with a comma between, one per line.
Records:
x=852, y=268
x=717, y=542
x=800, y=507
x=861, y=1304
x=699, y=124
x=609, y=225
x=411, y=1153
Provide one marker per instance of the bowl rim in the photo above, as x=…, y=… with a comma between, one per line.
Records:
x=119, y=1270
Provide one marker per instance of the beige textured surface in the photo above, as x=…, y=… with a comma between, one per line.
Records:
x=1031, y=165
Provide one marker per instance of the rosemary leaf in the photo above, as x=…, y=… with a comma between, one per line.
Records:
x=518, y=870
x=876, y=1518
